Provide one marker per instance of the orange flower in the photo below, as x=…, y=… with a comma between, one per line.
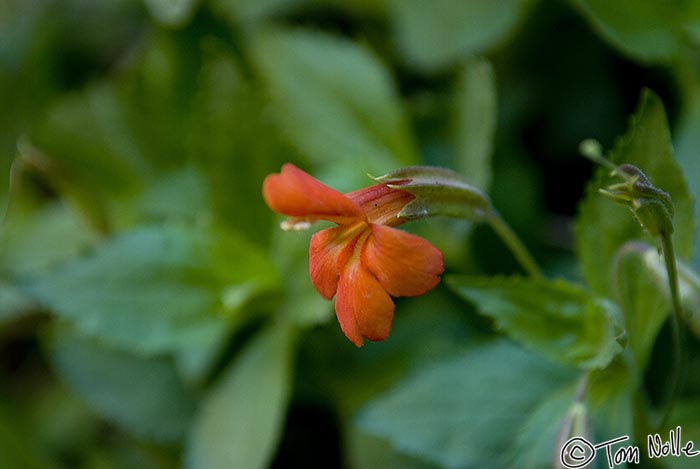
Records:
x=363, y=260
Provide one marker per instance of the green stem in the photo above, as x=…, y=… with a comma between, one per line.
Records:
x=516, y=246
x=676, y=330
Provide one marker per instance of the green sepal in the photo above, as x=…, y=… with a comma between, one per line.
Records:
x=438, y=191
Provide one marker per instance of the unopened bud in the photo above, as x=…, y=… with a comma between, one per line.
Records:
x=652, y=207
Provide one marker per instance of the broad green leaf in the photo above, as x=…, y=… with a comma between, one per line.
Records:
x=556, y=318
x=240, y=422
x=536, y=441
x=172, y=12
x=157, y=289
x=336, y=103
x=465, y=411
x=13, y=303
x=686, y=415
x=368, y=452
x=195, y=361
x=118, y=132
x=433, y=35
x=142, y=395
x=48, y=47
x=602, y=225
x=179, y=195
x=234, y=143
x=611, y=397
x=656, y=32
x=687, y=138
x=84, y=139
x=474, y=122
x=436, y=321
x=156, y=95
x=33, y=240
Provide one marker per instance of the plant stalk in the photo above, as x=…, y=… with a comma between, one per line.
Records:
x=514, y=244
x=676, y=329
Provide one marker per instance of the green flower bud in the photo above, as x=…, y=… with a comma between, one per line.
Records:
x=438, y=191
x=652, y=207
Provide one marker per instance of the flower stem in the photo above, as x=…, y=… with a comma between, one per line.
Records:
x=514, y=243
x=676, y=329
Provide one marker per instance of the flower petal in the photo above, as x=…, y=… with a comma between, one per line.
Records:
x=363, y=307
x=381, y=204
x=295, y=193
x=329, y=251
x=404, y=264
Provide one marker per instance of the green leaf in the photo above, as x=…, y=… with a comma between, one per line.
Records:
x=13, y=303
x=536, y=440
x=687, y=136
x=142, y=395
x=686, y=414
x=603, y=226
x=368, y=452
x=234, y=144
x=240, y=422
x=612, y=394
x=335, y=102
x=642, y=283
x=172, y=12
x=433, y=35
x=441, y=333
x=556, y=318
x=182, y=194
x=642, y=296
x=85, y=137
x=466, y=411
x=656, y=32
x=474, y=122
x=142, y=114
x=158, y=289
x=35, y=240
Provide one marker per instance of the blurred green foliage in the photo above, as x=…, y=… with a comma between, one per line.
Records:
x=152, y=314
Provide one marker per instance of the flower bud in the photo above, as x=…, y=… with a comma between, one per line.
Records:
x=652, y=207
x=438, y=191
